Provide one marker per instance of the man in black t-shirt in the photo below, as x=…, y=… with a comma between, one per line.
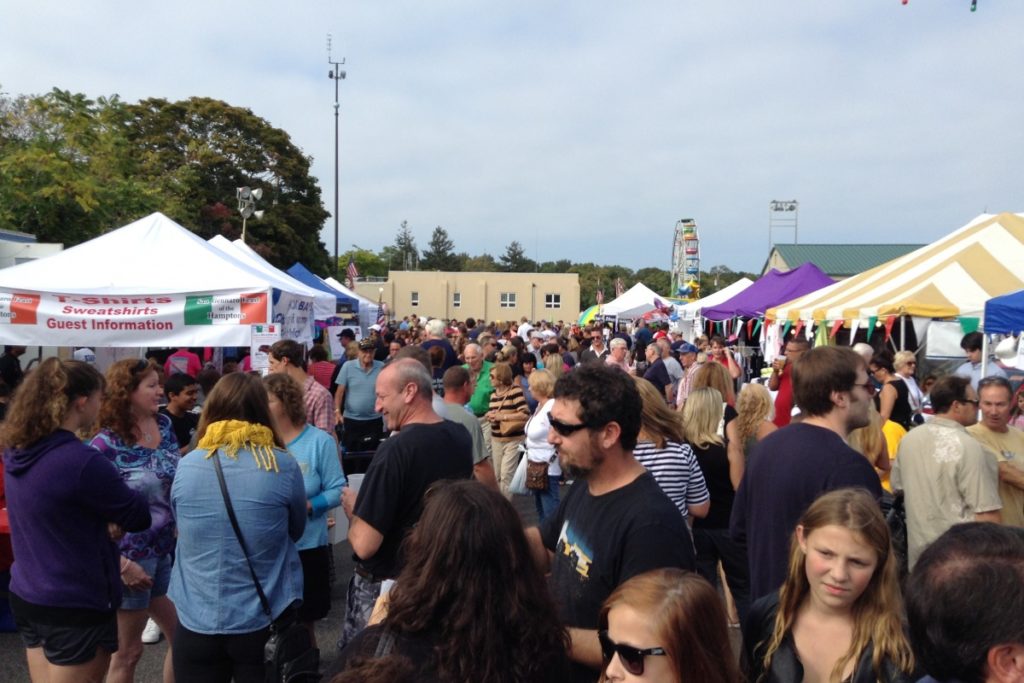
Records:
x=791, y=467
x=182, y=391
x=425, y=448
x=615, y=522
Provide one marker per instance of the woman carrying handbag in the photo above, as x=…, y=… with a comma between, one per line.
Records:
x=508, y=415
x=228, y=594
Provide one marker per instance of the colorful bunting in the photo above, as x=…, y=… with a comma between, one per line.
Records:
x=969, y=325
x=872, y=321
x=836, y=326
x=888, y=326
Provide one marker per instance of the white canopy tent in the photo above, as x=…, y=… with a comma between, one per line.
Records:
x=149, y=283
x=634, y=302
x=690, y=322
x=324, y=304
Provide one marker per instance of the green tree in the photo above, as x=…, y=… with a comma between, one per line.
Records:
x=484, y=263
x=559, y=266
x=403, y=252
x=440, y=254
x=67, y=170
x=197, y=152
x=514, y=260
x=719, y=277
x=368, y=263
x=657, y=279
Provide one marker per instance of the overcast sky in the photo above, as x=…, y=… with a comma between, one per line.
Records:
x=585, y=130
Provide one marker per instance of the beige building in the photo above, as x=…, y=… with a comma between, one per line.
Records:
x=484, y=296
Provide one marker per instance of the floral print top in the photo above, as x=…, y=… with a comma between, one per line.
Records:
x=150, y=471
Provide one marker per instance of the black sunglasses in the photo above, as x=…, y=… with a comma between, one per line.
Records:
x=632, y=658
x=564, y=428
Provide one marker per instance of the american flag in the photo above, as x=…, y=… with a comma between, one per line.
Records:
x=600, y=297
x=382, y=314
x=352, y=272
x=618, y=287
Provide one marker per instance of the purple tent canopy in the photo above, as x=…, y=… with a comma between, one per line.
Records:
x=773, y=289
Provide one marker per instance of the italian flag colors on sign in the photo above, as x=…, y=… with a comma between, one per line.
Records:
x=232, y=309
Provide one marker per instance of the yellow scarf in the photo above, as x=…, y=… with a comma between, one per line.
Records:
x=230, y=435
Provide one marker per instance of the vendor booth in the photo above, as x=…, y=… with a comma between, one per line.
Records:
x=150, y=283
x=770, y=290
x=635, y=301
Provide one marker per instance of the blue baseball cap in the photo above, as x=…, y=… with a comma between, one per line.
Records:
x=684, y=347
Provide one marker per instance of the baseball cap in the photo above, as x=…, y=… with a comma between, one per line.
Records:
x=684, y=347
x=375, y=327
x=367, y=345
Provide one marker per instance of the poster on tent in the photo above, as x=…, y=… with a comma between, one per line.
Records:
x=220, y=318
x=263, y=337
x=294, y=314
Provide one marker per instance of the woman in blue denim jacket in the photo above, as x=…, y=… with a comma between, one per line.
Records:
x=222, y=626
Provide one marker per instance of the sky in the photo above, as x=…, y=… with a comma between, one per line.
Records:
x=586, y=130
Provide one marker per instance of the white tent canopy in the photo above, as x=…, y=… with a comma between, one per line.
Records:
x=149, y=283
x=634, y=302
x=691, y=311
x=324, y=304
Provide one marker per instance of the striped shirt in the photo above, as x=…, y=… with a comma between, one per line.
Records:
x=675, y=468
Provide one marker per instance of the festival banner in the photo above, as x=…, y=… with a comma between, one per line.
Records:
x=51, y=319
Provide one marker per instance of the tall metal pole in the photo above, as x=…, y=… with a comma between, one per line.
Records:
x=336, y=75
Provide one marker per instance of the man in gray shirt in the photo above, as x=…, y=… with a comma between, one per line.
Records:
x=457, y=391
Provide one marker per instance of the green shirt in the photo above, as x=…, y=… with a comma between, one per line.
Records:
x=480, y=401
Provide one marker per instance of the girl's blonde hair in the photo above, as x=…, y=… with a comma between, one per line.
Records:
x=753, y=407
x=714, y=375
x=702, y=415
x=877, y=612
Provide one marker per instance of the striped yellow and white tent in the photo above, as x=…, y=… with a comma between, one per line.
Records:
x=954, y=276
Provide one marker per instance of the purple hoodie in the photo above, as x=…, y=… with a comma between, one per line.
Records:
x=60, y=496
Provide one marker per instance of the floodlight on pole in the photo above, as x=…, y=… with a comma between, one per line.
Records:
x=247, y=198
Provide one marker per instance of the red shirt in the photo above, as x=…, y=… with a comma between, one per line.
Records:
x=784, y=397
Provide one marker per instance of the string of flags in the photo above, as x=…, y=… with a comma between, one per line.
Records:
x=824, y=331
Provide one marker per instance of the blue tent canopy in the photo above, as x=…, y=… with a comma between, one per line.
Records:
x=1005, y=314
x=311, y=279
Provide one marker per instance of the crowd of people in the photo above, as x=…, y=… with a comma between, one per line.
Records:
x=676, y=497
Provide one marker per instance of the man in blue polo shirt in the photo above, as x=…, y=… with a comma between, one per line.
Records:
x=355, y=398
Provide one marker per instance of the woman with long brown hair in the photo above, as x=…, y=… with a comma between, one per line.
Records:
x=65, y=500
x=666, y=625
x=223, y=625
x=141, y=443
x=754, y=413
x=838, y=614
x=470, y=604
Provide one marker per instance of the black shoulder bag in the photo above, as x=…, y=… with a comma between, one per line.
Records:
x=289, y=655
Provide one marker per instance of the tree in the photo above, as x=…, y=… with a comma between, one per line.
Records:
x=368, y=263
x=484, y=263
x=404, y=250
x=197, y=152
x=657, y=279
x=559, y=266
x=514, y=260
x=440, y=255
x=720, y=277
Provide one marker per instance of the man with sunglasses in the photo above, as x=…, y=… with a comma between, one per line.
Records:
x=946, y=476
x=597, y=351
x=615, y=522
x=792, y=466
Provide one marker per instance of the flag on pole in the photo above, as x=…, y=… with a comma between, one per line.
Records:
x=618, y=287
x=352, y=272
x=600, y=297
x=382, y=314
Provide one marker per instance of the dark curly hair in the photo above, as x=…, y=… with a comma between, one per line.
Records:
x=123, y=378
x=605, y=394
x=469, y=580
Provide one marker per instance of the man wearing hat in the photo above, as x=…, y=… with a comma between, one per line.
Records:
x=688, y=358
x=355, y=399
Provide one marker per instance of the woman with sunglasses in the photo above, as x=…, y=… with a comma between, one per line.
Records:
x=837, y=616
x=666, y=625
x=905, y=364
x=470, y=604
x=893, y=399
x=141, y=443
x=507, y=414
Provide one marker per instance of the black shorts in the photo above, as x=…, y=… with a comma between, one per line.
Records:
x=67, y=635
x=316, y=583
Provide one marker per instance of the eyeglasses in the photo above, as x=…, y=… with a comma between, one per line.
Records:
x=564, y=428
x=632, y=658
x=973, y=401
x=866, y=386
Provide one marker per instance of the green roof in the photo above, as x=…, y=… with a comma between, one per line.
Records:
x=841, y=260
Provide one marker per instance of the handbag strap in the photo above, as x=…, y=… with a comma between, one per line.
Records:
x=238, y=532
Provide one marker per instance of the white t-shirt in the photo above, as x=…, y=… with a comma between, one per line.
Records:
x=537, y=447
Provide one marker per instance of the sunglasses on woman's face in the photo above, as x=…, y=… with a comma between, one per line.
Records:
x=632, y=658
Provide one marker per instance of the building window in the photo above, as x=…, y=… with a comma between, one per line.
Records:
x=414, y=299
x=508, y=300
x=552, y=301
x=457, y=300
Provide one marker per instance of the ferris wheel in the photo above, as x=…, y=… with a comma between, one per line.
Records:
x=686, y=260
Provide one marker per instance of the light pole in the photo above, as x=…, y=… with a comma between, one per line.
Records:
x=247, y=204
x=336, y=74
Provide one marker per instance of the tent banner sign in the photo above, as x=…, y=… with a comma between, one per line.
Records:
x=47, y=319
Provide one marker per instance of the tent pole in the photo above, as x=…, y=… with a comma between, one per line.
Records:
x=984, y=354
x=903, y=333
